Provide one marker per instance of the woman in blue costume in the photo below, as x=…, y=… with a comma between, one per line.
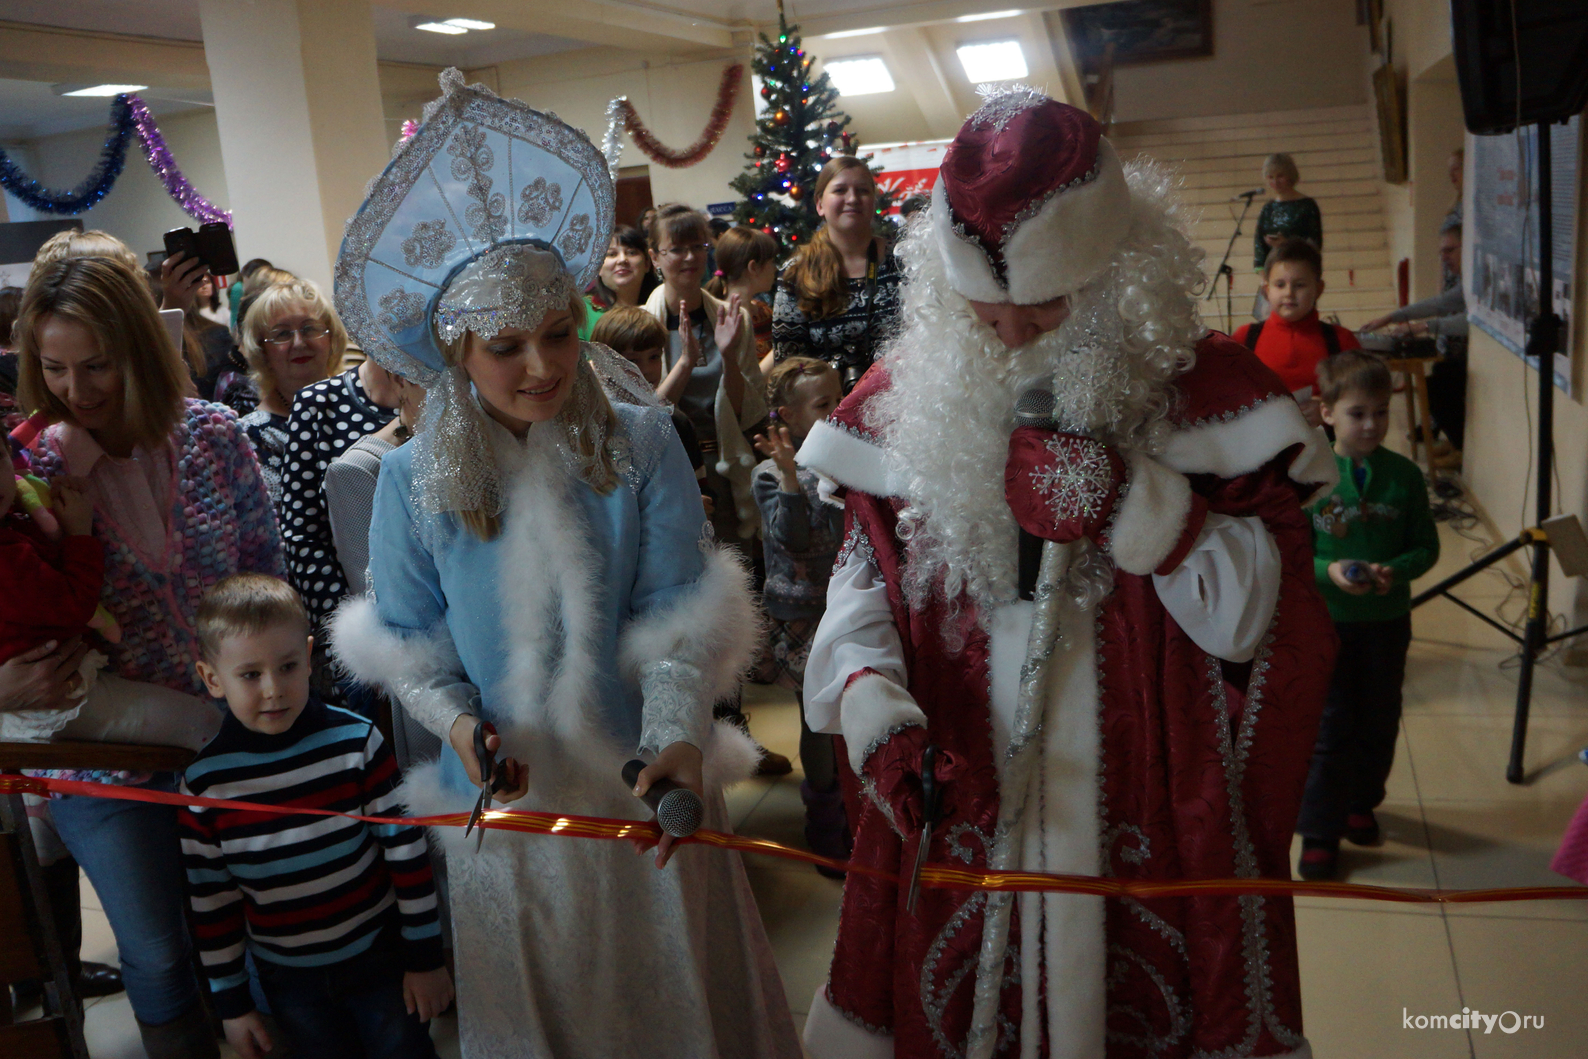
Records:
x=537, y=561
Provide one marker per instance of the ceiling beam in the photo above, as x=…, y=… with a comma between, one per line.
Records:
x=633, y=24
x=43, y=53
x=919, y=69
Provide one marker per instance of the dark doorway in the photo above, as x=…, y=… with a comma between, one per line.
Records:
x=633, y=193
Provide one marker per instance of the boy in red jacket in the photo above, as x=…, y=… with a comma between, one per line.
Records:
x=1293, y=341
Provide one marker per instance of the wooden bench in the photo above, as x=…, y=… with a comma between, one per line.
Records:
x=29, y=947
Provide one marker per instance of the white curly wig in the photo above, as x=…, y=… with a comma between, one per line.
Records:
x=947, y=417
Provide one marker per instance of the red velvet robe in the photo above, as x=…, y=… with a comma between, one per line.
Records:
x=1202, y=772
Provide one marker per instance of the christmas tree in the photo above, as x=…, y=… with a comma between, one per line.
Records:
x=800, y=131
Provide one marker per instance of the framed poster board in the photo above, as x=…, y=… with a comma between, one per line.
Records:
x=1141, y=31
x=1500, y=236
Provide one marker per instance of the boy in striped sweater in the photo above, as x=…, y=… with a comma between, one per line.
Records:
x=340, y=914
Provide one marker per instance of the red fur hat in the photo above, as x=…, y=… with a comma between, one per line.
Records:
x=1031, y=202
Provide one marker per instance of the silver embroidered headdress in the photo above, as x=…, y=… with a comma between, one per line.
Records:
x=488, y=217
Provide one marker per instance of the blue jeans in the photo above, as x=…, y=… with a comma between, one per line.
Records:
x=349, y=1009
x=131, y=854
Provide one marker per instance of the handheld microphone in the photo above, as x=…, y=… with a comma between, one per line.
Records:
x=1035, y=409
x=678, y=810
x=1247, y=195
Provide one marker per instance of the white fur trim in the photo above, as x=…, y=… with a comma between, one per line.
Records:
x=873, y=706
x=716, y=620
x=848, y=459
x=1070, y=239
x=731, y=755
x=371, y=651
x=829, y=1035
x=1231, y=448
x=1151, y=517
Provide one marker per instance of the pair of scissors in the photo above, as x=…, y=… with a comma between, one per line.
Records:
x=931, y=801
x=493, y=778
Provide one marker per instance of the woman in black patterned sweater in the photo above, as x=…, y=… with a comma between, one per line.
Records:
x=838, y=299
x=327, y=417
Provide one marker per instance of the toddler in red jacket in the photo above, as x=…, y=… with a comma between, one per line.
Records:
x=51, y=578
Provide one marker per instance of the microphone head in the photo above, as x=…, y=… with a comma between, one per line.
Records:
x=680, y=812
x=1035, y=409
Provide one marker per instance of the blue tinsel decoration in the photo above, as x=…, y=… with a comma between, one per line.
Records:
x=86, y=195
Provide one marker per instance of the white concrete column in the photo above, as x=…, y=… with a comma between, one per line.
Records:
x=298, y=105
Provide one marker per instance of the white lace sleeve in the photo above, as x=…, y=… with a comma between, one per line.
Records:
x=1224, y=594
x=856, y=632
x=421, y=670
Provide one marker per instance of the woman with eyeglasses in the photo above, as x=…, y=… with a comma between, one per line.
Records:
x=712, y=372
x=289, y=342
x=327, y=414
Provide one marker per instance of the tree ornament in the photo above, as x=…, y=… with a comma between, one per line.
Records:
x=793, y=137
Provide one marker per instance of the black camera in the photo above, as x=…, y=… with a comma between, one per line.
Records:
x=212, y=245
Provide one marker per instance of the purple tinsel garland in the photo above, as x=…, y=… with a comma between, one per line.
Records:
x=160, y=160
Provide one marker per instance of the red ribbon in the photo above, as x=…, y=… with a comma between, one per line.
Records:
x=936, y=876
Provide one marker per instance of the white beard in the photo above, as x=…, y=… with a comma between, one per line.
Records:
x=947, y=417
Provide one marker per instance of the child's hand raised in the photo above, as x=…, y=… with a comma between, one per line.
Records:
x=778, y=444
x=72, y=506
x=729, y=324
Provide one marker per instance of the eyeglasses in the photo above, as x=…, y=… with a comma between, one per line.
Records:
x=308, y=332
x=676, y=252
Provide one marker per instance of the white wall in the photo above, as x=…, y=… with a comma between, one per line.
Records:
x=1267, y=55
x=138, y=210
x=674, y=100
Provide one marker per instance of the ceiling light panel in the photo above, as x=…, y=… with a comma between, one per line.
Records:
x=986, y=16
x=862, y=75
x=997, y=60
x=440, y=27
x=104, y=90
x=470, y=23
x=853, y=33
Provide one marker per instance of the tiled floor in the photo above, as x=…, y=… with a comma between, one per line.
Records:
x=1451, y=820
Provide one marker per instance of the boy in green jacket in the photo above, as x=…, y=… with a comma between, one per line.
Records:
x=1372, y=537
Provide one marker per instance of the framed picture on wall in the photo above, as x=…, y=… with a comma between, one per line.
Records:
x=1141, y=31
x=1391, y=124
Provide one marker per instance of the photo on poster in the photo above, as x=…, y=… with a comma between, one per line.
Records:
x=1500, y=264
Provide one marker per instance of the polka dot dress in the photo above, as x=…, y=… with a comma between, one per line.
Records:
x=326, y=418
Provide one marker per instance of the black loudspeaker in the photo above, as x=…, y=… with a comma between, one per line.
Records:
x=1520, y=62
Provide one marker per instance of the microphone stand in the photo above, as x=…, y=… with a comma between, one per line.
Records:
x=1227, y=272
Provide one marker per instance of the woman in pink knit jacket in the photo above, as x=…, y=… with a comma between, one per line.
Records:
x=179, y=503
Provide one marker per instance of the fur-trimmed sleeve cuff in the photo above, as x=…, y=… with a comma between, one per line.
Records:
x=1158, y=519
x=692, y=653
x=874, y=708
x=421, y=670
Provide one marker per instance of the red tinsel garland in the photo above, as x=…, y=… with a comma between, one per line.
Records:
x=654, y=149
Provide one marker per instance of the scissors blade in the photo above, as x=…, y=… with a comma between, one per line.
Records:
x=915, y=873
